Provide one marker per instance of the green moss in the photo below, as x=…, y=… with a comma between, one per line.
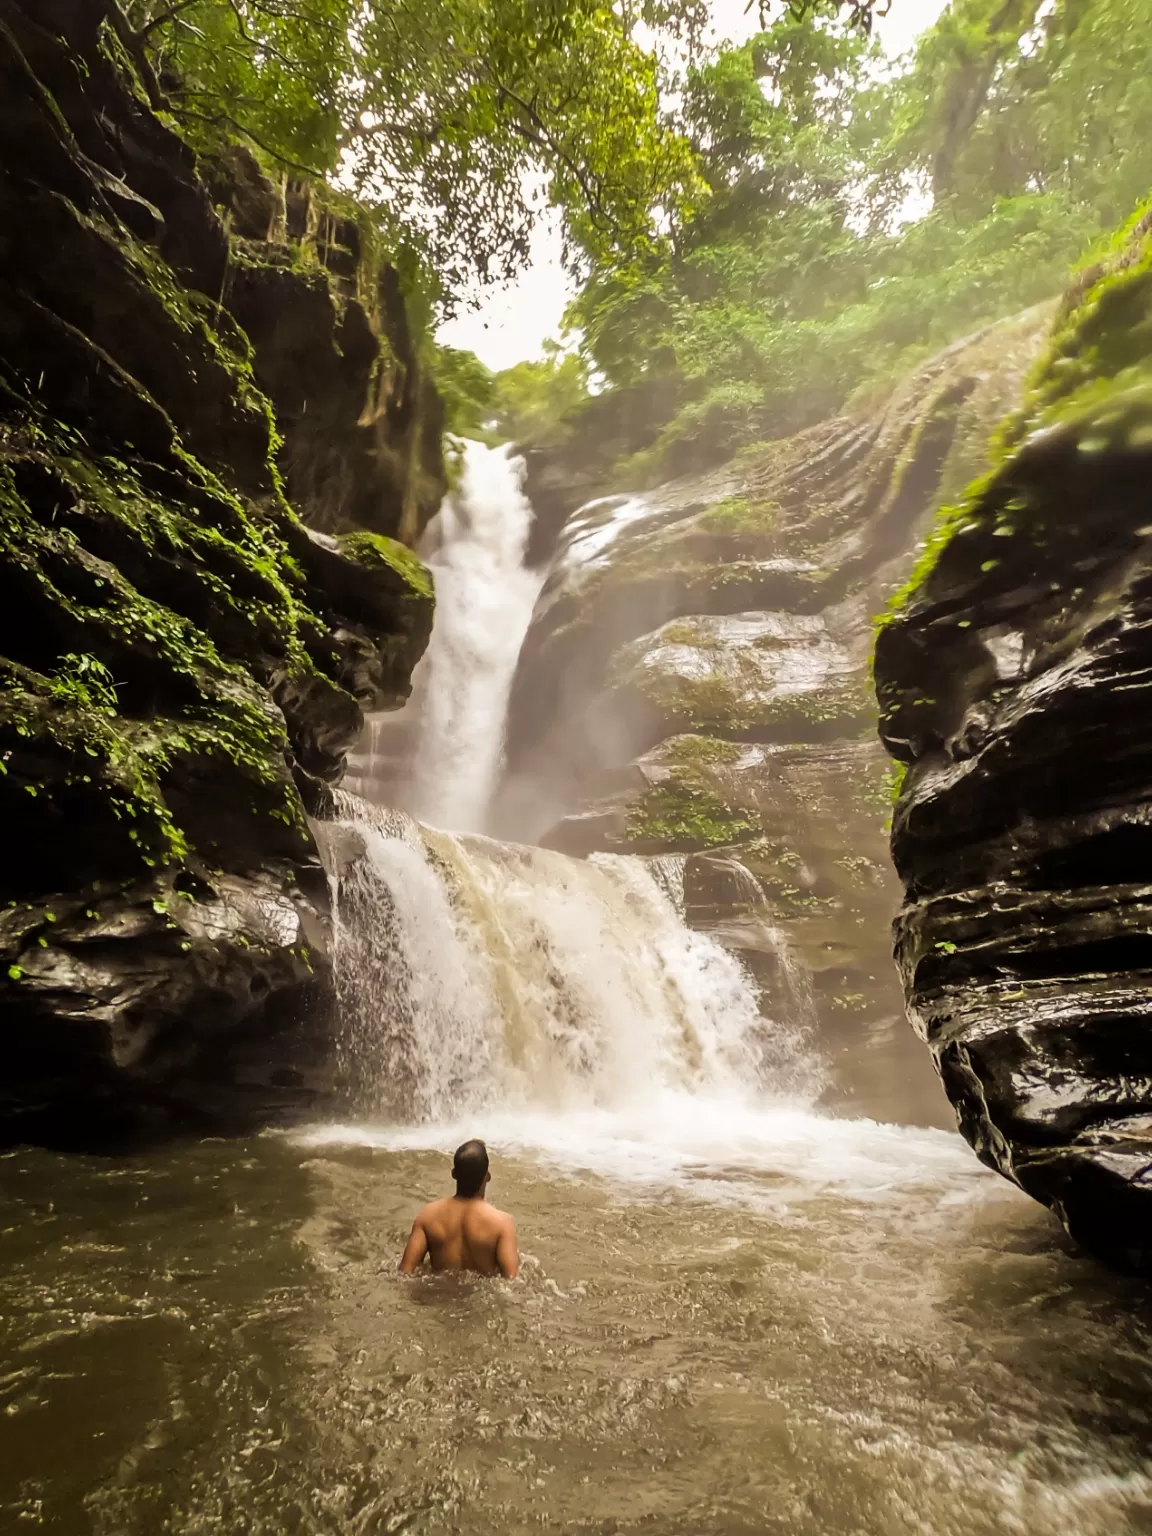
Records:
x=734, y=705
x=100, y=754
x=67, y=730
x=709, y=701
x=683, y=815
x=1104, y=333
x=682, y=632
x=1093, y=383
x=689, y=750
x=740, y=515
x=374, y=550
x=764, y=456
x=689, y=810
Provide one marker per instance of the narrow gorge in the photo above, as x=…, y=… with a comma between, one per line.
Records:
x=395, y=751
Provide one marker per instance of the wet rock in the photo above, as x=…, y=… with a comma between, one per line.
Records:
x=821, y=524
x=757, y=676
x=696, y=680
x=183, y=665
x=255, y=207
x=1013, y=682
x=361, y=420
x=333, y=350
x=549, y=487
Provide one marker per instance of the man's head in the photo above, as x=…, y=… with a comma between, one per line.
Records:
x=470, y=1168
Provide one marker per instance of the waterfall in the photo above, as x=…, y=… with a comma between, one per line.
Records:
x=440, y=756
x=475, y=974
x=484, y=600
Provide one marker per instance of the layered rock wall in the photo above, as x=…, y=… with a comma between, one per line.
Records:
x=183, y=663
x=696, y=682
x=1014, y=679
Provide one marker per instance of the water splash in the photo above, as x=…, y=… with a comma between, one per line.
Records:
x=668, y=871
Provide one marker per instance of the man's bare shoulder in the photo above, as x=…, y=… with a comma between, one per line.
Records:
x=432, y=1210
x=486, y=1215
x=489, y=1215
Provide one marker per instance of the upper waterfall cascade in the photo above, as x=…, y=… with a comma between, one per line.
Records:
x=451, y=733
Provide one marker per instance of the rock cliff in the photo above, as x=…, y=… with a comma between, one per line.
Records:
x=1013, y=678
x=184, y=663
x=695, y=682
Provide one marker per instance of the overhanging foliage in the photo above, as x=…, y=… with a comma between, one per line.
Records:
x=456, y=121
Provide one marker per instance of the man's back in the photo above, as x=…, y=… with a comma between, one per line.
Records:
x=469, y=1234
x=465, y=1232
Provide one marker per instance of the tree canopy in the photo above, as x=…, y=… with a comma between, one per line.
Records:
x=760, y=231
x=855, y=216
x=455, y=121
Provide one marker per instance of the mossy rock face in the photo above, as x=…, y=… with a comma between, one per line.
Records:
x=682, y=808
x=332, y=348
x=183, y=664
x=379, y=555
x=822, y=523
x=695, y=684
x=1014, y=680
x=756, y=676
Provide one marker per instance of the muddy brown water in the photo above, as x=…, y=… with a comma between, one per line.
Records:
x=833, y=1328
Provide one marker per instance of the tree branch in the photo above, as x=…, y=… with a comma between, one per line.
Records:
x=225, y=119
x=132, y=43
x=146, y=31
x=862, y=11
x=543, y=139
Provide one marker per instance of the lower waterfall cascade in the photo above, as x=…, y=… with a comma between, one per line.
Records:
x=473, y=972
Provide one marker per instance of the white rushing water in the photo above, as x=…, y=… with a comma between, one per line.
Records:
x=475, y=973
x=484, y=599
x=562, y=1009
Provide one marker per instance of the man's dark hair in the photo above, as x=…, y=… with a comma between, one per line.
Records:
x=470, y=1168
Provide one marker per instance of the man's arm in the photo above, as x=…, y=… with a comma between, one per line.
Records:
x=508, y=1250
x=416, y=1248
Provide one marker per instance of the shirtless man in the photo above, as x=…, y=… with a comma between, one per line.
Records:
x=465, y=1232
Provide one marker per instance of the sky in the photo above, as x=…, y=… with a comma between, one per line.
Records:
x=515, y=319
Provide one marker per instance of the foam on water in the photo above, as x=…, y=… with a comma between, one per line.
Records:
x=710, y=1147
